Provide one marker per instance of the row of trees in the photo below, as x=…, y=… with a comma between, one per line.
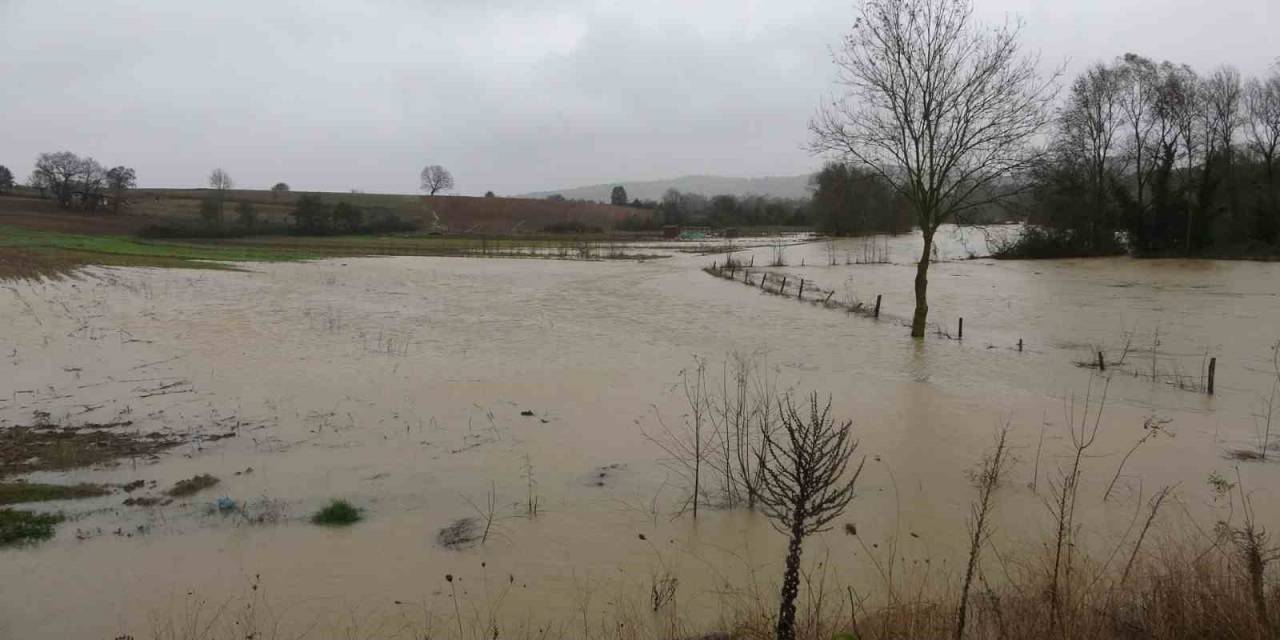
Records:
x=721, y=211
x=78, y=182
x=1174, y=161
x=846, y=201
x=849, y=200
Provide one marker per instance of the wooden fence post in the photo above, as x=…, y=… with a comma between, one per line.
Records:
x=960, y=334
x=800, y=295
x=1102, y=364
x=877, y=305
x=1019, y=344
x=1213, y=370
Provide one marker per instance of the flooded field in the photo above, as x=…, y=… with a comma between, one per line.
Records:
x=427, y=390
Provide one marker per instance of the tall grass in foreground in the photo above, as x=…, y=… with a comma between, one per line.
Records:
x=1182, y=591
x=1157, y=582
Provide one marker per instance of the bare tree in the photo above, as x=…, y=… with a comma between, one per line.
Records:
x=986, y=479
x=91, y=183
x=58, y=172
x=1088, y=124
x=806, y=485
x=1262, y=104
x=1137, y=104
x=436, y=178
x=121, y=180
x=220, y=182
x=279, y=189
x=941, y=108
x=689, y=448
x=1224, y=95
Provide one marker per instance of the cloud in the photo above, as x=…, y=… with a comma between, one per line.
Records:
x=512, y=96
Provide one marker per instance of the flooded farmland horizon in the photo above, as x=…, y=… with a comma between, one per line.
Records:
x=529, y=397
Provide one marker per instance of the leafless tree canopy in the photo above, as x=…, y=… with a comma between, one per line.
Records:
x=436, y=178
x=220, y=181
x=71, y=179
x=1262, y=98
x=941, y=108
x=120, y=181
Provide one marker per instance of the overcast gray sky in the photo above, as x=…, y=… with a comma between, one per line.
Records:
x=511, y=95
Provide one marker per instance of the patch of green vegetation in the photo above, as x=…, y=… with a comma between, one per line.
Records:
x=18, y=527
x=337, y=512
x=19, y=492
x=28, y=253
x=192, y=485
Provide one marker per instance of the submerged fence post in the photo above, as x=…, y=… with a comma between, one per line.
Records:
x=1102, y=364
x=783, y=290
x=1213, y=369
x=877, y=305
x=960, y=332
x=753, y=260
x=1019, y=344
x=800, y=295
x=763, y=278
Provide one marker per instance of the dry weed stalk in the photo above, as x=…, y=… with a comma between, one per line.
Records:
x=986, y=479
x=1065, y=492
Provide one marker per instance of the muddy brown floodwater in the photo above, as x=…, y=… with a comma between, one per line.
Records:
x=415, y=387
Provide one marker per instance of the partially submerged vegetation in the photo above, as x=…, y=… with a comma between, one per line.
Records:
x=34, y=254
x=19, y=527
x=20, y=492
x=337, y=512
x=50, y=447
x=192, y=485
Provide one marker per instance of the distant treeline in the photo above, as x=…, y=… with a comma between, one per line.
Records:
x=1157, y=159
x=311, y=216
x=845, y=201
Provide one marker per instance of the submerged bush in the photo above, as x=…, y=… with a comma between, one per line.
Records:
x=18, y=492
x=192, y=485
x=17, y=527
x=1036, y=242
x=337, y=512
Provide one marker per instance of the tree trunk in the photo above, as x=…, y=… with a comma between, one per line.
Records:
x=922, y=285
x=790, y=586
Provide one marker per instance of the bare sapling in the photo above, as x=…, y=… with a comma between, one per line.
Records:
x=1152, y=427
x=688, y=449
x=1065, y=491
x=779, y=254
x=488, y=513
x=1268, y=411
x=940, y=107
x=986, y=479
x=762, y=421
x=1153, y=508
x=806, y=485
